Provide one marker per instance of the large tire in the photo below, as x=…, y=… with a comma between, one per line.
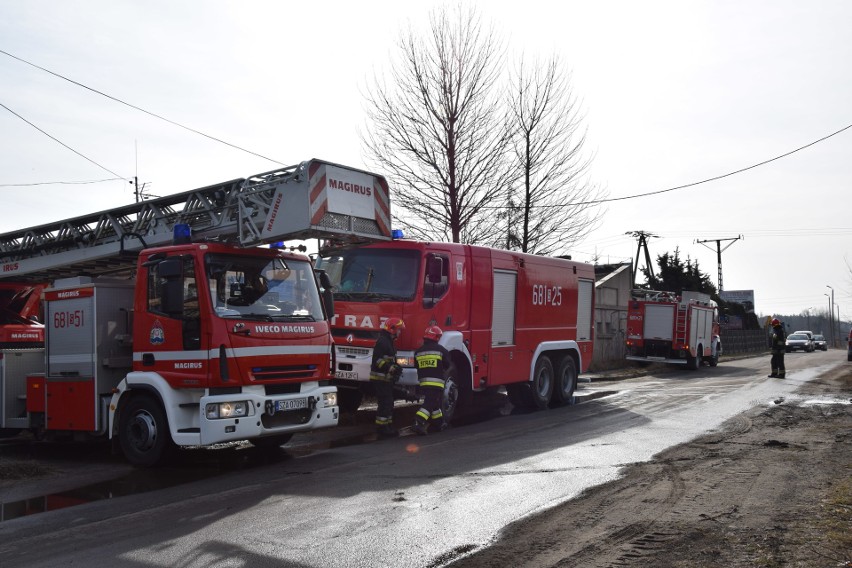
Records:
x=566, y=381
x=454, y=394
x=541, y=386
x=271, y=442
x=143, y=432
x=692, y=363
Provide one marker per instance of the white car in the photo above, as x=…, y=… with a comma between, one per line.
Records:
x=810, y=335
x=799, y=341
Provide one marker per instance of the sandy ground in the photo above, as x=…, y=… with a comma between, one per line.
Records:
x=773, y=487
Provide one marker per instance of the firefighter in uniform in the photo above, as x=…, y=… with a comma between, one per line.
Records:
x=432, y=361
x=384, y=372
x=779, y=347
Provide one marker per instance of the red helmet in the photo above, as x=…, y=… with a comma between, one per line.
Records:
x=775, y=322
x=433, y=332
x=394, y=326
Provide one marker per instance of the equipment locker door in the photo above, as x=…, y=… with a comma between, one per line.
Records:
x=659, y=321
x=584, y=309
x=508, y=364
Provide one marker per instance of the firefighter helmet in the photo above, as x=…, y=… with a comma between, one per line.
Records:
x=394, y=326
x=433, y=332
x=776, y=322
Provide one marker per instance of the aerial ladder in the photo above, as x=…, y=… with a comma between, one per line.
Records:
x=166, y=324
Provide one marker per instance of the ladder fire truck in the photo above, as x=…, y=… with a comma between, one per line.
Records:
x=166, y=325
x=667, y=328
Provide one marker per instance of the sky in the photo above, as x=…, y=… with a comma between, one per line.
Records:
x=673, y=93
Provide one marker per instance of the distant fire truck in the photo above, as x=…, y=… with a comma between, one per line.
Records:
x=667, y=328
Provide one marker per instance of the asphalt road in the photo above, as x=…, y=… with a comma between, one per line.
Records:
x=340, y=498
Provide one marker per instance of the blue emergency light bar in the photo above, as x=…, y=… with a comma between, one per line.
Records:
x=182, y=234
x=397, y=234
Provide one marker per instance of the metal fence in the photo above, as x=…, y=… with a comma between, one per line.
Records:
x=735, y=341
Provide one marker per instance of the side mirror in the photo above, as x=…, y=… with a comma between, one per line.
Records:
x=327, y=293
x=434, y=268
x=171, y=292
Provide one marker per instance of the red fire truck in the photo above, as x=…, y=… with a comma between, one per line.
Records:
x=165, y=324
x=664, y=327
x=20, y=326
x=513, y=320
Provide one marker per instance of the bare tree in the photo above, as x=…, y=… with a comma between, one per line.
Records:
x=551, y=204
x=437, y=129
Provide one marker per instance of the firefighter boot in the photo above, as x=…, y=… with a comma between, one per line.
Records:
x=773, y=374
x=439, y=426
x=781, y=374
x=420, y=427
x=387, y=431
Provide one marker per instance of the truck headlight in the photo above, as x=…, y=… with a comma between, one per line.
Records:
x=405, y=360
x=218, y=410
x=329, y=399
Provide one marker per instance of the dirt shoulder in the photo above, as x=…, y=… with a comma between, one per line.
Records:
x=773, y=487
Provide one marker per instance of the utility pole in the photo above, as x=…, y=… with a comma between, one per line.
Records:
x=643, y=243
x=832, y=321
x=830, y=316
x=719, y=251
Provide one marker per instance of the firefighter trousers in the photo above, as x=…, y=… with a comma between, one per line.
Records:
x=777, y=364
x=433, y=398
x=384, y=401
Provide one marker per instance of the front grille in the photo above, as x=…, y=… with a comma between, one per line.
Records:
x=353, y=351
x=292, y=373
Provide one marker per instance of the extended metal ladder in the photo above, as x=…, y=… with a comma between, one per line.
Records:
x=236, y=211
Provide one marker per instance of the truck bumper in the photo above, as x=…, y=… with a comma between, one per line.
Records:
x=354, y=365
x=268, y=415
x=656, y=360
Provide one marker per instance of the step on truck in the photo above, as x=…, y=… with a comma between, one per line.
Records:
x=167, y=325
x=663, y=327
x=510, y=320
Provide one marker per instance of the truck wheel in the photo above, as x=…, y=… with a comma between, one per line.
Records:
x=566, y=381
x=143, y=432
x=270, y=442
x=349, y=399
x=692, y=363
x=541, y=386
x=452, y=394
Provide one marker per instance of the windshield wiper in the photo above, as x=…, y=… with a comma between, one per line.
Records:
x=293, y=317
x=261, y=317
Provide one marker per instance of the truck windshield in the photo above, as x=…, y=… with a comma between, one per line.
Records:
x=261, y=288
x=372, y=274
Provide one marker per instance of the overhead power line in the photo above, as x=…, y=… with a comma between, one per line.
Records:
x=140, y=109
x=685, y=186
x=61, y=142
x=59, y=182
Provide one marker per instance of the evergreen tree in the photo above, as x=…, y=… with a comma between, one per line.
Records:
x=677, y=276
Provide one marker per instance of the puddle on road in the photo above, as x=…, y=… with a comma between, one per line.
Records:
x=194, y=465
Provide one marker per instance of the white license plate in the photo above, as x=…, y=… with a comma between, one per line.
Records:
x=347, y=375
x=291, y=404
